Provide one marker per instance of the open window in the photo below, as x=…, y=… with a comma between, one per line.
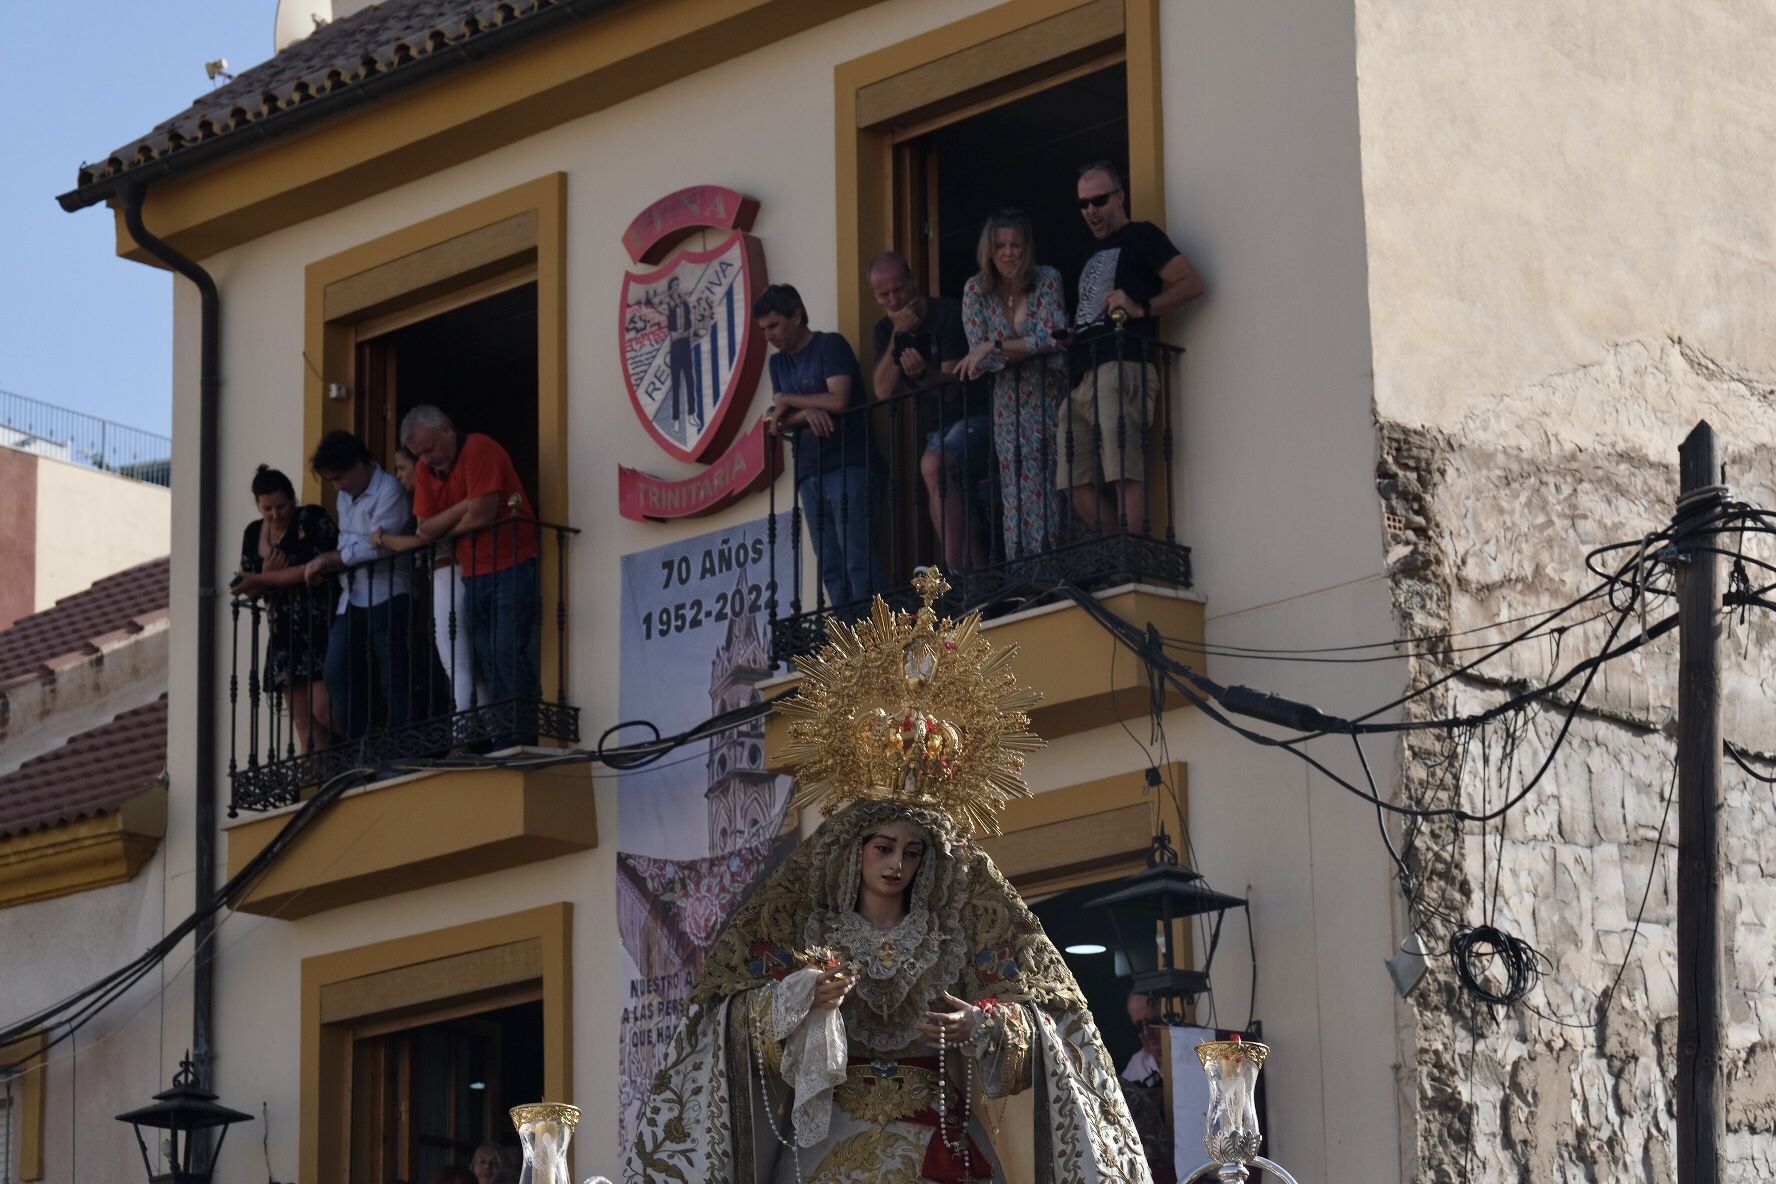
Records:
x=1021, y=150
x=429, y=1091
x=1019, y=147
x=476, y=359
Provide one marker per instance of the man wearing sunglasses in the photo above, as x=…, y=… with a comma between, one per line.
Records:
x=1138, y=273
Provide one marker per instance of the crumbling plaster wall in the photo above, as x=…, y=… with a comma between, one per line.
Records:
x=1570, y=263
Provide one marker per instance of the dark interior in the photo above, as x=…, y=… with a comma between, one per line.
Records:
x=479, y=363
x=1069, y=921
x=1026, y=155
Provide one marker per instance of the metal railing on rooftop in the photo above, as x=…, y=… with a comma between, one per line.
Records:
x=1071, y=480
x=45, y=429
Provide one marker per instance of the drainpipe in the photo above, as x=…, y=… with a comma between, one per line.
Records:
x=209, y=391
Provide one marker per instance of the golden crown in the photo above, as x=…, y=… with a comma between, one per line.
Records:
x=907, y=707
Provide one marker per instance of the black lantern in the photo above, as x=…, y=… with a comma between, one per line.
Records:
x=1164, y=893
x=182, y=1111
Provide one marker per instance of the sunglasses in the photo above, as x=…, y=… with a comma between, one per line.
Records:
x=1098, y=202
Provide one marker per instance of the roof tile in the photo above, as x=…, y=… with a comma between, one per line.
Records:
x=64, y=634
x=372, y=41
x=94, y=773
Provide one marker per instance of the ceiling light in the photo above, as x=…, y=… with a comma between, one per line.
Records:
x=477, y=1085
x=1086, y=947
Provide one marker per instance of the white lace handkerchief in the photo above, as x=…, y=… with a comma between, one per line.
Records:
x=814, y=1052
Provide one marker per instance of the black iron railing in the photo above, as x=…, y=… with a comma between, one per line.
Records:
x=433, y=653
x=48, y=430
x=1070, y=480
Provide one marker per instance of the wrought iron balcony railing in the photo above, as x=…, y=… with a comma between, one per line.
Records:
x=1058, y=468
x=450, y=649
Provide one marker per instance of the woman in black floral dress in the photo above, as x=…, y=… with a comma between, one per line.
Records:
x=274, y=549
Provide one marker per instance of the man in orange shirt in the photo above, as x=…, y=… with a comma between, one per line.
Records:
x=465, y=487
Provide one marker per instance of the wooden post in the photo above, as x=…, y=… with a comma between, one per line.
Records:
x=1699, y=1120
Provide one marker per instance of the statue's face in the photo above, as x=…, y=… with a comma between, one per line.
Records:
x=891, y=857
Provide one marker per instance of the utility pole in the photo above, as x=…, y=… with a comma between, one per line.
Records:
x=1701, y=489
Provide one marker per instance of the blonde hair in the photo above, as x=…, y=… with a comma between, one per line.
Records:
x=990, y=280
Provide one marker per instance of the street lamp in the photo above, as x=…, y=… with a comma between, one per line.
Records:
x=1164, y=893
x=182, y=1111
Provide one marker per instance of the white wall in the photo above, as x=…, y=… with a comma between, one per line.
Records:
x=53, y=948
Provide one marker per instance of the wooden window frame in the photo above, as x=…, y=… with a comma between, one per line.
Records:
x=436, y=264
x=27, y=1096
x=949, y=73
x=410, y=980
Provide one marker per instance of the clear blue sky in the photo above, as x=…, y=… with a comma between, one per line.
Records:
x=80, y=327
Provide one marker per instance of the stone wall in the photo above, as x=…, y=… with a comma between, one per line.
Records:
x=1490, y=518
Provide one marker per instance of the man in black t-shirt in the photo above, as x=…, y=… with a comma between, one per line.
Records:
x=1134, y=271
x=919, y=344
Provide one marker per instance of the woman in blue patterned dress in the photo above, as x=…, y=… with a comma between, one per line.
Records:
x=1012, y=311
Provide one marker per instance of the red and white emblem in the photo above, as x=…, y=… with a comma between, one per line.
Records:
x=691, y=356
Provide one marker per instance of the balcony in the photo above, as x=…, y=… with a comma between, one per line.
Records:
x=1093, y=504
x=446, y=653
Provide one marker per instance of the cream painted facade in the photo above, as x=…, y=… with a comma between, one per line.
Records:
x=1277, y=500
x=1503, y=316
x=92, y=523
x=84, y=524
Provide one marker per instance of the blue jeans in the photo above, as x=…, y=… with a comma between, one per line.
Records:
x=968, y=443
x=505, y=630
x=362, y=638
x=840, y=505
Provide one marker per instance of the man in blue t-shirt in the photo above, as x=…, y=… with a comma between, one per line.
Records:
x=817, y=390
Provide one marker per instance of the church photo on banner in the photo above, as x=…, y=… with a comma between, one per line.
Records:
x=700, y=829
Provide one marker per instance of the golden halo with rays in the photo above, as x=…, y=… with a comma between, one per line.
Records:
x=907, y=707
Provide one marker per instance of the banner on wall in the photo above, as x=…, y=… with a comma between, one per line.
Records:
x=697, y=831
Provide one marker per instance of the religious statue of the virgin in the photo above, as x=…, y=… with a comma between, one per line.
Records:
x=886, y=983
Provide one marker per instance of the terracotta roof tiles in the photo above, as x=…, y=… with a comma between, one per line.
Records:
x=94, y=773
x=375, y=41
x=77, y=627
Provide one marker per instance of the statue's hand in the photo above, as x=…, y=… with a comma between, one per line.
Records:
x=831, y=988
x=956, y=1023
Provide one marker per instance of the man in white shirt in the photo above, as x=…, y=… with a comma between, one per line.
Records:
x=372, y=627
x=1143, y=1067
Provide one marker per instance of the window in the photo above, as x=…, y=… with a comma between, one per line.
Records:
x=21, y=1112
x=1022, y=152
x=476, y=361
x=397, y=1036
x=427, y=1094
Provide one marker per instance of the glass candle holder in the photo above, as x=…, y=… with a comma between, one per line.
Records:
x=544, y=1131
x=1231, y=1133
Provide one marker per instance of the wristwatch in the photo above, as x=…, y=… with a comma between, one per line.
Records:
x=1146, y=308
x=998, y=345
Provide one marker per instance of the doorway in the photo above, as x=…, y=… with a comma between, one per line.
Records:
x=427, y=1094
x=476, y=361
x=1021, y=150
x=1019, y=153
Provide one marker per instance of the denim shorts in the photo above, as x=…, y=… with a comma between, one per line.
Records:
x=967, y=442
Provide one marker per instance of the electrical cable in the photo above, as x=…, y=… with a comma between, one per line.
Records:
x=1472, y=946
x=1187, y=683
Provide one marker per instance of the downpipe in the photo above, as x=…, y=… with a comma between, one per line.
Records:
x=203, y=983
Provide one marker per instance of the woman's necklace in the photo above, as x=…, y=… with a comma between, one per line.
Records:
x=1014, y=305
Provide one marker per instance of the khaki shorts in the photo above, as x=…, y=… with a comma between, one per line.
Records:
x=1123, y=395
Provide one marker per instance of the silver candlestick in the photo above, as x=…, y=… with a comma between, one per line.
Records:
x=1231, y=1133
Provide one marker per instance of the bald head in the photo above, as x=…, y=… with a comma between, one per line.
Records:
x=891, y=280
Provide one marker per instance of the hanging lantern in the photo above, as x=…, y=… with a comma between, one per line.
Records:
x=182, y=1111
